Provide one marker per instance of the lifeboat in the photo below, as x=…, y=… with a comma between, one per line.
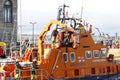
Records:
x=75, y=56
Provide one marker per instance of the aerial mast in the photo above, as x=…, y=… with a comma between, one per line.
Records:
x=61, y=13
x=20, y=27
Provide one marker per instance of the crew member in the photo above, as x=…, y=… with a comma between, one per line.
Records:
x=54, y=35
x=25, y=44
x=2, y=54
x=81, y=27
x=33, y=71
x=66, y=38
x=18, y=69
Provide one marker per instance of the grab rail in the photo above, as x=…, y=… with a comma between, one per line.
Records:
x=40, y=73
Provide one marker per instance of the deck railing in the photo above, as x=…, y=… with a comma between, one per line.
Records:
x=40, y=74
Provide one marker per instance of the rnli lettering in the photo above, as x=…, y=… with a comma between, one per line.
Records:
x=99, y=60
x=77, y=64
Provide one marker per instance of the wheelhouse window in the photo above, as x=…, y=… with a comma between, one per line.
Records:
x=96, y=53
x=65, y=57
x=8, y=11
x=88, y=54
x=103, y=52
x=72, y=56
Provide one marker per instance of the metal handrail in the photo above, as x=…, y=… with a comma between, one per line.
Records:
x=39, y=73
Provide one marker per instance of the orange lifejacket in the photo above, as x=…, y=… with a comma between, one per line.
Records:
x=15, y=55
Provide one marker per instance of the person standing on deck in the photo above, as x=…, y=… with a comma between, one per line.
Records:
x=18, y=69
x=2, y=54
x=33, y=71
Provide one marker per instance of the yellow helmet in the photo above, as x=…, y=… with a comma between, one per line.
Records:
x=17, y=60
x=34, y=60
x=66, y=34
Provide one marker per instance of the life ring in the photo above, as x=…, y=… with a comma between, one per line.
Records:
x=71, y=34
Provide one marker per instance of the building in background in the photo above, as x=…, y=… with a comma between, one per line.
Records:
x=30, y=38
x=8, y=21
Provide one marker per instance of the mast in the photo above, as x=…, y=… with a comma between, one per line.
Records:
x=62, y=16
x=81, y=11
x=20, y=27
x=61, y=12
x=81, y=16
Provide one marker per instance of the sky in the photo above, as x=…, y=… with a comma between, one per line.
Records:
x=102, y=14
